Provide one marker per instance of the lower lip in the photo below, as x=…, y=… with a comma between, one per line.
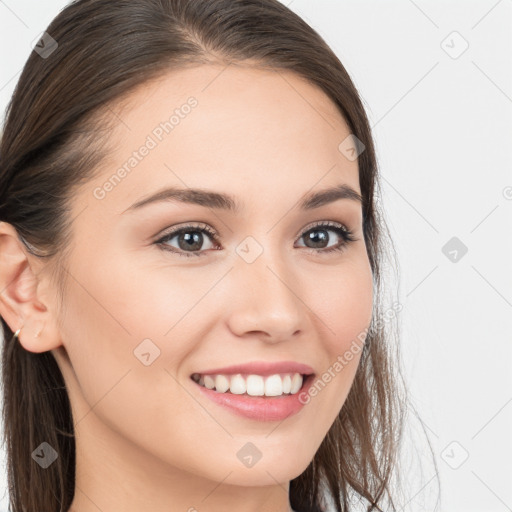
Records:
x=261, y=408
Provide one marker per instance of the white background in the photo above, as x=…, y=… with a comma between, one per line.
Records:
x=443, y=131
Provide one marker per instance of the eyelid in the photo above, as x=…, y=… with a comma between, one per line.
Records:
x=215, y=235
x=173, y=231
x=314, y=224
x=187, y=225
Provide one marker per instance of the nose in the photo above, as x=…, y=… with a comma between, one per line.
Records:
x=266, y=302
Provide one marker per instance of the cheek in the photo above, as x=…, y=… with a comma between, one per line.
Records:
x=103, y=325
x=344, y=304
x=125, y=317
x=97, y=336
x=343, y=311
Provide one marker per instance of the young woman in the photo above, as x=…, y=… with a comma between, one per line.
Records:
x=191, y=257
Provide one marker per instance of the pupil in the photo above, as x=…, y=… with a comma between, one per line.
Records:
x=318, y=239
x=197, y=239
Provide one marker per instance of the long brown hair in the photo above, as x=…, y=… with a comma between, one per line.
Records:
x=54, y=140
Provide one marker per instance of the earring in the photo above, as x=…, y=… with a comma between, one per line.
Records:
x=16, y=334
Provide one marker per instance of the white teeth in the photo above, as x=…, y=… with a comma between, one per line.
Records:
x=253, y=385
x=287, y=384
x=221, y=383
x=237, y=385
x=209, y=382
x=273, y=386
x=296, y=383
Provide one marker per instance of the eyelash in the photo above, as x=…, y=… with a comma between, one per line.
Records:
x=346, y=234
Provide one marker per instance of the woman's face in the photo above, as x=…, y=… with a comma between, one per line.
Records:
x=257, y=284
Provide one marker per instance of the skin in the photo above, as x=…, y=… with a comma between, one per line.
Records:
x=146, y=438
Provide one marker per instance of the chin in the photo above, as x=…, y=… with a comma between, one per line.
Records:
x=263, y=474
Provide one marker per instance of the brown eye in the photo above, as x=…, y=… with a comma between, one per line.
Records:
x=190, y=240
x=317, y=237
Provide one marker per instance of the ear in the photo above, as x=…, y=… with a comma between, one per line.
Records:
x=23, y=302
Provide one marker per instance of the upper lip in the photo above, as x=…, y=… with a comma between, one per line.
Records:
x=262, y=368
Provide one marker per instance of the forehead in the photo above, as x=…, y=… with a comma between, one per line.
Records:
x=247, y=129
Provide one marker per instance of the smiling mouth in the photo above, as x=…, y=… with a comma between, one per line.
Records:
x=281, y=384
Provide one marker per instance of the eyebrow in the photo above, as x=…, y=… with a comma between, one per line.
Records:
x=227, y=202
